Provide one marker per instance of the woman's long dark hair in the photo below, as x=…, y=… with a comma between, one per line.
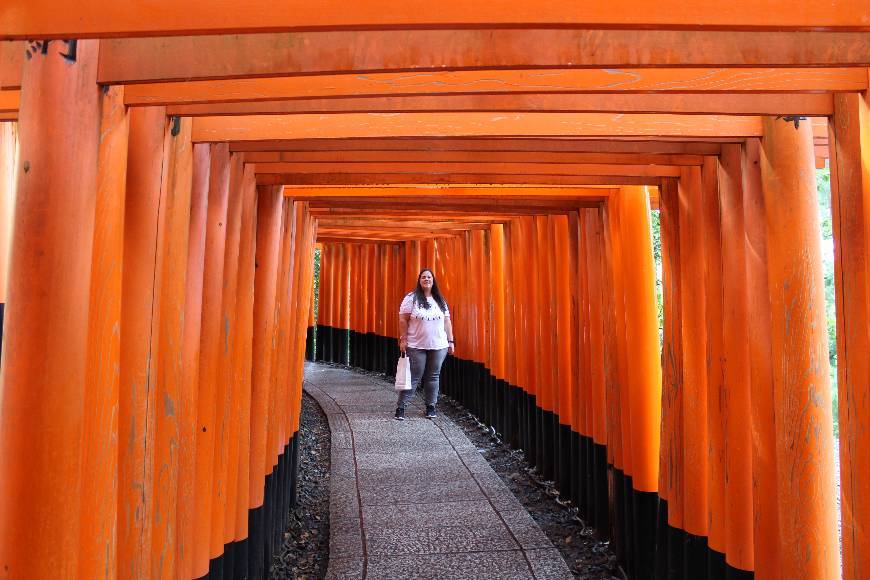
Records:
x=420, y=297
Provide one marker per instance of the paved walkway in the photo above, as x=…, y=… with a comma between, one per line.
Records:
x=415, y=499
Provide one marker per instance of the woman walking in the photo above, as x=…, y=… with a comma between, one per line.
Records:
x=426, y=335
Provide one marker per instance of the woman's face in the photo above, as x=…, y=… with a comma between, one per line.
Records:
x=426, y=279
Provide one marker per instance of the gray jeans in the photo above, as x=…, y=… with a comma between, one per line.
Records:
x=425, y=368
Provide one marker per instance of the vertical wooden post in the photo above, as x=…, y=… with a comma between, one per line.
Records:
x=243, y=363
x=764, y=469
x=692, y=196
x=167, y=338
x=644, y=369
x=803, y=419
x=100, y=454
x=210, y=348
x=137, y=380
x=189, y=399
x=45, y=351
x=672, y=452
x=850, y=191
x=735, y=309
x=716, y=388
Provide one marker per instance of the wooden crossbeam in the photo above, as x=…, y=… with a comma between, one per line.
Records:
x=105, y=18
x=437, y=168
x=373, y=51
x=449, y=178
x=804, y=104
x=340, y=126
x=320, y=157
x=566, y=145
x=565, y=80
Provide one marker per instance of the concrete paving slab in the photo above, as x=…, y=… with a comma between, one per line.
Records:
x=510, y=565
x=443, y=540
x=432, y=507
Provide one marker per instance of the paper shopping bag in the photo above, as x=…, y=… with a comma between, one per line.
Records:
x=403, y=374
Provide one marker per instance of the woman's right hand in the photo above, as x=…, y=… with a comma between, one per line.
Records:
x=403, y=344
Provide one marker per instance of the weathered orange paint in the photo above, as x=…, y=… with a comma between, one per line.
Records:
x=694, y=332
x=763, y=419
x=850, y=192
x=210, y=348
x=189, y=398
x=99, y=494
x=802, y=402
x=738, y=435
x=41, y=418
x=138, y=393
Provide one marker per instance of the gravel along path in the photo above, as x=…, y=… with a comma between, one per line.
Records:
x=305, y=552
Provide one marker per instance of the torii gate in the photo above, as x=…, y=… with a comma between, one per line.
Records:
x=166, y=176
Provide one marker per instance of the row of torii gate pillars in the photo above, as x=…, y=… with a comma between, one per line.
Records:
x=164, y=190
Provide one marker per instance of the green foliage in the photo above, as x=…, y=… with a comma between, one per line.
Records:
x=823, y=187
x=656, y=229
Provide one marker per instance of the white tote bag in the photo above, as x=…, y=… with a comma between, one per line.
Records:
x=403, y=373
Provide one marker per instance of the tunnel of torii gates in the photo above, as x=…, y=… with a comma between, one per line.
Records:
x=167, y=177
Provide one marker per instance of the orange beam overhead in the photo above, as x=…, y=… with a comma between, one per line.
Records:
x=105, y=18
x=591, y=80
x=340, y=126
x=581, y=145
x=411, y=156
x=388, y=179
x=504, y=168
x=373, y=51
x=803, y=104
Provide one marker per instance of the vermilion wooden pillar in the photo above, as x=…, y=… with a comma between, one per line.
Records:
x=100, y=456
x=802, y=401
x=672, y=450
x=138, y=396
x=190, y=359
x=764, y=494
x=644, y=368
x=46, y=328
x=715, y=410
x=850, y=191
x=692, y=229
x=210, y=347
x=735, y=364
x=269, y=205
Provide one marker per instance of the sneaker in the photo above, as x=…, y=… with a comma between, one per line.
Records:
x=430, y=412
x=400, y=414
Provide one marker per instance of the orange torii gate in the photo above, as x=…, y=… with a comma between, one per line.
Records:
x=165, y=178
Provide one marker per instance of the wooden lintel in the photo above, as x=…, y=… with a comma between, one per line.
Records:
x=373, y=51
x=493, y=82
x=348, y=125
x=438, y=168
x=104, y=18
x=321, y=157
x=450, y=178
x=577, y=145
x=813, y=104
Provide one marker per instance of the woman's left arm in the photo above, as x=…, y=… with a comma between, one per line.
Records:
x=448, y=328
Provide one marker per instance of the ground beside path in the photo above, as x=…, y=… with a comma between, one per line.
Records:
x=415, y=499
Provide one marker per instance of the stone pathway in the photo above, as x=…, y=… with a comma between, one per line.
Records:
x=414, y=498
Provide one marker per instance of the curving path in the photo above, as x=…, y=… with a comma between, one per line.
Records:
x=415, y=499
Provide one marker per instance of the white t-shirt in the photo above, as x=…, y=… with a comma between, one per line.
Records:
x=426, y=325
